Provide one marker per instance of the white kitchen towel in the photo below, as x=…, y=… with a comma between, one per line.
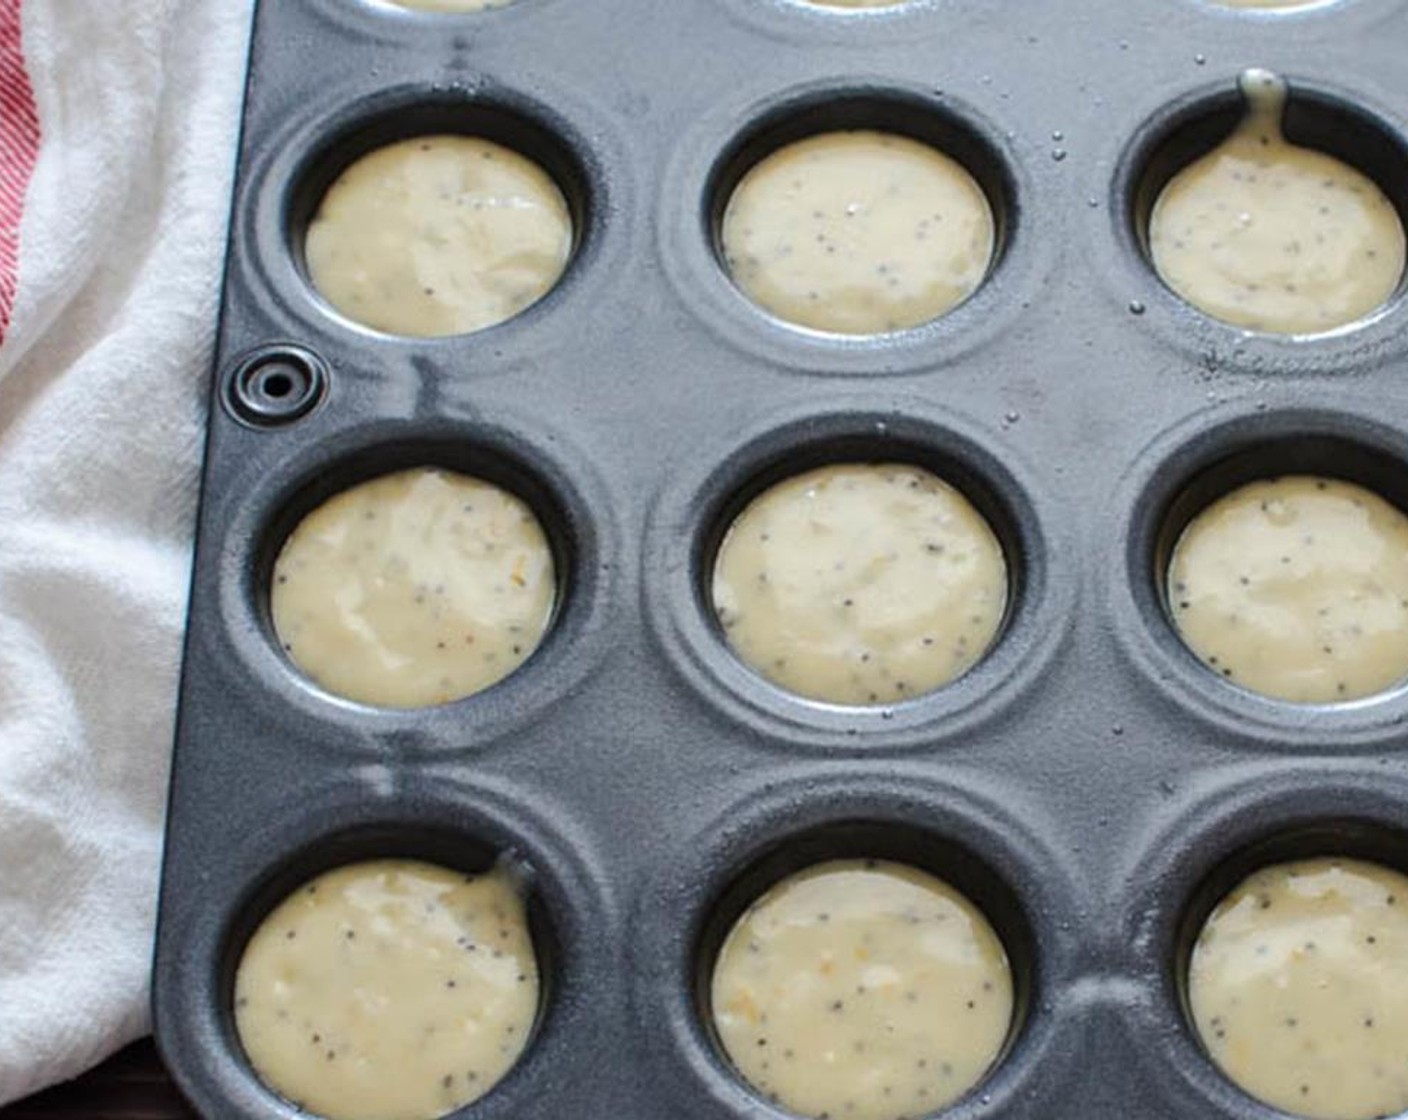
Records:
x=115, y=180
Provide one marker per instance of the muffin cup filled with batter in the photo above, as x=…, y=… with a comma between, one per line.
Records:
x=843, y=975
x=1284, y=570
x=1273, y=207
x=1293, y=971
x=392, y=987
x=859, y=214
x=417, y=584
x=859, y=583
x=439, y=217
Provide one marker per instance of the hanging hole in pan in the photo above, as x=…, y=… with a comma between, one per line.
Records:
x=276, y=385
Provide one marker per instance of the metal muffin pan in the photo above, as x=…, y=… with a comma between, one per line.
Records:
x=1089, y=783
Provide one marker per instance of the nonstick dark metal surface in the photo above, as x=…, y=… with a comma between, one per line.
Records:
x=1089, y=784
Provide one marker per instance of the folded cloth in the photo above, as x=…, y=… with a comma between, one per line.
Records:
x=118, y=126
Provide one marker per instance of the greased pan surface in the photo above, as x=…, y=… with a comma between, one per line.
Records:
x=1090, y=785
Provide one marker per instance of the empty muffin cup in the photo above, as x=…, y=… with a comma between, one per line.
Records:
x=415, y=588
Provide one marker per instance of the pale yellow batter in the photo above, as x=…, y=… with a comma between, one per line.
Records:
x=861, y=583
x=1273, y=237
x=438, y=235
x=415, y=588
x=1299, y=988
x=390, y=990
x=862, y=989
x=858, y=233
x=1296, y=588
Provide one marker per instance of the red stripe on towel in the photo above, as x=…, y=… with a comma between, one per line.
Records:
x=19, y=147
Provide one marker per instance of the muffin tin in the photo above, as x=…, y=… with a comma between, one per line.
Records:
x=1089, y=784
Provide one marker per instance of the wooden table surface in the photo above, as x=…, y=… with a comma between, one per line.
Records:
x=130, y=1086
